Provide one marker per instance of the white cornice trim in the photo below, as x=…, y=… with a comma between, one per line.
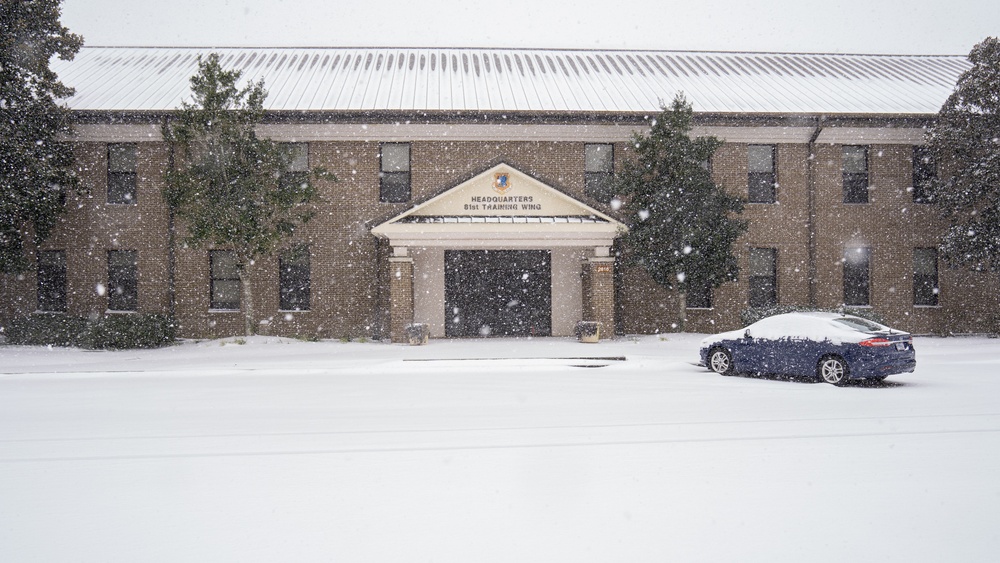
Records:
x=478, y=235
x=756, y=135
x=117, y=132
x=872, y=135
x=592, y=133
x=582, y=132
x=445, y=132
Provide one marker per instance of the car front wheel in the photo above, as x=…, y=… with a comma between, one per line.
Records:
x=720, y=361
x=833, y=369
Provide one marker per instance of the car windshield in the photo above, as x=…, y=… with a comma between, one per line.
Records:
x=861, y=325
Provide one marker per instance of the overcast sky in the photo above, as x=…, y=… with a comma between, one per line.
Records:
x=949, y=27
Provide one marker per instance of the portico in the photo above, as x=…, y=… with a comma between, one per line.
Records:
x=501, y=254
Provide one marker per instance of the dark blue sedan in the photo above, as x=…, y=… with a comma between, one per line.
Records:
x=834, y=347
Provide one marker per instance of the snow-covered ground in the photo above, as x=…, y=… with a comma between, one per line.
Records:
x=491, y=450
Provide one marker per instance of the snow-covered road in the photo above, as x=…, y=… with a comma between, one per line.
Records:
x=491, y=450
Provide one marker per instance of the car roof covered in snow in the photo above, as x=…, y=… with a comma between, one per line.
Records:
x=522, y=80
x=805, y=325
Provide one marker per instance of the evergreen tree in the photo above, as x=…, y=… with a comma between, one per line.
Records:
x=681, y=224
x=233, y=190
x=35, y=172
x=965, y=143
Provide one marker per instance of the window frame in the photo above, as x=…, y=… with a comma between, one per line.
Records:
x=856, y=184
x=50, y=281
x=124, y=180
x=924, y=169
x=926, y=285
x=762, y=183
x=219, y=280
x=699, y=296
x=294, y=292
x=763, y=287
x=857, y=283
x=597, y=180
x=393, y=181
x=298, y=165
x=123, y=281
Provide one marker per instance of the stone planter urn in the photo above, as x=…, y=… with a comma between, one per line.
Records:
x=418, y=333
x=588, y=331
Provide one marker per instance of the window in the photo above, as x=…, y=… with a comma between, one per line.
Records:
x=763, y=277
x=924, y=170
x=298, y=165
x=394, y=175
x=225, y=290
x=859, y=324
x=925, y=276
x=599, y=169
x=761, y=176
x=123, y=280
x=855, y=174
x=857, y=278
x=52, y=280
x=699, y=295
x=121, y=173
x=293, y=279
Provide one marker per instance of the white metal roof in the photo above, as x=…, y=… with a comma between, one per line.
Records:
x=522, y=80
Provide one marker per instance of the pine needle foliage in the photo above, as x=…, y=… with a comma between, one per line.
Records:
x=965, y=143
x=230, y=188
x=35, y=161
x=682, y=226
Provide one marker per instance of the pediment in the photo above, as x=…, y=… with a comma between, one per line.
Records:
x=502, y=191
x=501, y=207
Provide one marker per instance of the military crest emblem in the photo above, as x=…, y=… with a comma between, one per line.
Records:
x=501, y=182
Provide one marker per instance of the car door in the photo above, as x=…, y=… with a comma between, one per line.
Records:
x=755, y=353
x=793, y=356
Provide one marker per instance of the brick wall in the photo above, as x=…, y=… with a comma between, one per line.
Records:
x=599, y=294
x=91, y=227
x=890, y=224
x=350, y=279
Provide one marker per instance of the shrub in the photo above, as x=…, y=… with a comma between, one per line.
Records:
x=753, y=314
x=587, y=328
x=129, y=331
x=110, y=332
x=45, y=329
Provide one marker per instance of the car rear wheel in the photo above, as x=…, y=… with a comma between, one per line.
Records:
x=833, y=370
x=720, y=361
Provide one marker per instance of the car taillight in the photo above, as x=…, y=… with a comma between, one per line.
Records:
x=875, y=342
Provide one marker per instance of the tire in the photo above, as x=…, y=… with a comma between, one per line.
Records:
x=720, y=361
x=833, y=370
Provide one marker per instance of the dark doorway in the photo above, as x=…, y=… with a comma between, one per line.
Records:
x=498, y=293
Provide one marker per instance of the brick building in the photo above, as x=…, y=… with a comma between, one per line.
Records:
x=470, y=191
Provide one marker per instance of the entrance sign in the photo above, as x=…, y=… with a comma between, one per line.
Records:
x=501, y=207
x=503, y=191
